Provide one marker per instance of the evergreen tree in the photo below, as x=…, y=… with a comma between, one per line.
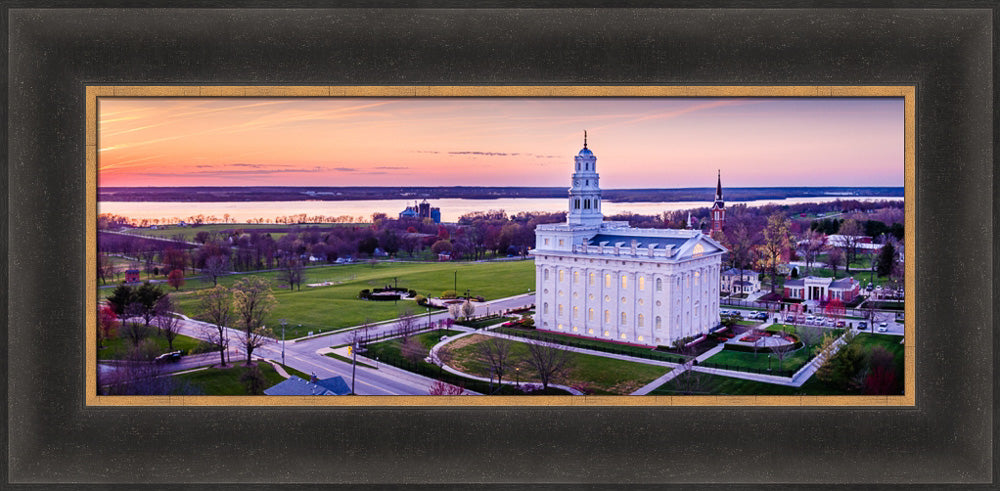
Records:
x=886, y=260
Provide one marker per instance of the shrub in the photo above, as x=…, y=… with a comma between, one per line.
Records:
x=364, y=294
x=421, y=300
x=411, y=293
x=527, y=322
x=449, y=294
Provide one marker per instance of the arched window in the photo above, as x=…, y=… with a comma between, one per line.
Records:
x=591, y=278
x=561, y=275
x=576, y=312
x=607, y=317
x=624, y=281
x=576, y=276
x=642, y=282
x=546, y=274
x=545, y=308
x=623, y=318
x=560, y=310
x=586, y=204
x=577, y=205
x=590, y=314
x=659, y=323
x=607, y=280
x=639, y=320
x=659, y=284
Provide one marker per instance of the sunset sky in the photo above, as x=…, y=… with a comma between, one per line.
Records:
x=639, y=142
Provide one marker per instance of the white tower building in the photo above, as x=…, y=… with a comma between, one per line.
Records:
x=607, y=280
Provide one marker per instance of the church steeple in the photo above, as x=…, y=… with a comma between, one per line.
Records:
x=718, y=211
x=585, y=193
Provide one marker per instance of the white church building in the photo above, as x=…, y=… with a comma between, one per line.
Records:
x=606, y=280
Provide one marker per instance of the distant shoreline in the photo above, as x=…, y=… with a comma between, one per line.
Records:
x=267, y=193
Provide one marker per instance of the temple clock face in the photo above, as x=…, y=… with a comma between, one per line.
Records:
x=576, y=182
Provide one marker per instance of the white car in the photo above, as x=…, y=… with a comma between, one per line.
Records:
x=883, y=329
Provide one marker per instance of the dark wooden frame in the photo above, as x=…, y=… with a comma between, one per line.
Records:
x=54, y=438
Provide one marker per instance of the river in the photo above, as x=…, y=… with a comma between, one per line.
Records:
x=451, y=209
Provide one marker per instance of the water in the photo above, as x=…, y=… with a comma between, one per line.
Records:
x=451, y=209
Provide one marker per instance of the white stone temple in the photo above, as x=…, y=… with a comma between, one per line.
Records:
x=606, y=280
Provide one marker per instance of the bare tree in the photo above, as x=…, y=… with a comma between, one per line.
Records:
x=782, y=351
x=495, y=351
x=406, y=324
x=455, y=310
x=215, y=266
x=413, y=350
x=216, y=304
x=834, y=259
x=468, y=310
x=810, y=335
x=292, y=273
x=133, y=329
x=815, y=244
x=689, y=381
x=440, y=388
x=549, y=360
x=775, y=244
x=252, y=301
x=851, y=232
x=168, y=324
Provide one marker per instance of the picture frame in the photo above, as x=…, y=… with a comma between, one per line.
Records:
x=53, y=436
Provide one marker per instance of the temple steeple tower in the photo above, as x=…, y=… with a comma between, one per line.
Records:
x=585, y=193
x=718, y=212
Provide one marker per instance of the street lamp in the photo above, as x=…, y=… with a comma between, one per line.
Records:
x=517, y=373
x=283, y=323
x=456, y=282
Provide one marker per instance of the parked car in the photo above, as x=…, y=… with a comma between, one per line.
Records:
x=883, y=329
x=862, y=325
x=789, y=318
x=841, y=323
x=168, y=357
x=883, y=324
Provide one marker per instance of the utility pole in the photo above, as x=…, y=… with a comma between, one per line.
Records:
x=354, y=365
x=456, y=282
x=283, y=323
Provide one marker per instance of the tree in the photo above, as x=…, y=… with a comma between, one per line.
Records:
x=176, y=279
x=886, y=259
x=439, y=388
x=406, y=324
x=252, y=301
x=455, y=310
x=132, y=327
x=292, y=273
x=122, y=296
x=168, y=324
x=781, y=351
x=215, y=266
x=147, y=295
x=809, y=335
x=881, y=378
x=815, y=244
x=175, y=259
x=468, y=310
x=834, y=259
x=367, y=246
x=549, y=360
x=775, y=244
x=851, y=232
x=107, y=321
x=216, y=305
x=495, y=351
x=253, y=380
x=104, y=268
x=841, y=368
x=442, y=246
x=413, y=350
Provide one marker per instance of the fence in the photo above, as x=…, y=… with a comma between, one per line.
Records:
x=779, y=307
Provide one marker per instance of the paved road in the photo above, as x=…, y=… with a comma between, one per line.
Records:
x=302, y=356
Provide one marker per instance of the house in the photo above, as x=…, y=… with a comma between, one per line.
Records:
x=740, y=281
x=295, y=386
x=132, y=276
x=822, y=289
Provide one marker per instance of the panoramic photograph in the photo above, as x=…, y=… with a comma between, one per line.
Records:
x=510, y=246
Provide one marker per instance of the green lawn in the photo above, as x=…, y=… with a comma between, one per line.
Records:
x=189, y=232
x=706, y=384
x=117, y=348
x=602, y=375
x=594, y=344
x=336, y=307
x=760, y=362
x=226, y=381
x=389, y=352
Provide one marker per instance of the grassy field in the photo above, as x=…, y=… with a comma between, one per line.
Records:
x=602, y=375
x=594, y=344
x=117, y=348
x=226, y=381
x=170, y=232
x=331, y=308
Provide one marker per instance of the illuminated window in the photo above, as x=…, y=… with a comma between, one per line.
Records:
x=607, y=298
x=642, y=282
x=590, y=314
x=590, y=296
x=639, y=320
x=546, y=241
x=698, y=250
x=561, y=274
x=640, y=338
x=590, y=331
x=576, y=312
x=641, y=301
x=607, y=333
x=576, y=276
x=560, y=242
x=607, y=280
x=624, y=336
x=559, y=326
x=659, y=323
x=624, y=281
x=591, y=278
x=607, y=316
x=576, y=329
x=560, y=310
x=623, y=299
x=623, y=318
x=659, y=284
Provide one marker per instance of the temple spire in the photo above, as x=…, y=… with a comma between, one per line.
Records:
x=584, y=138
x=718, y=188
